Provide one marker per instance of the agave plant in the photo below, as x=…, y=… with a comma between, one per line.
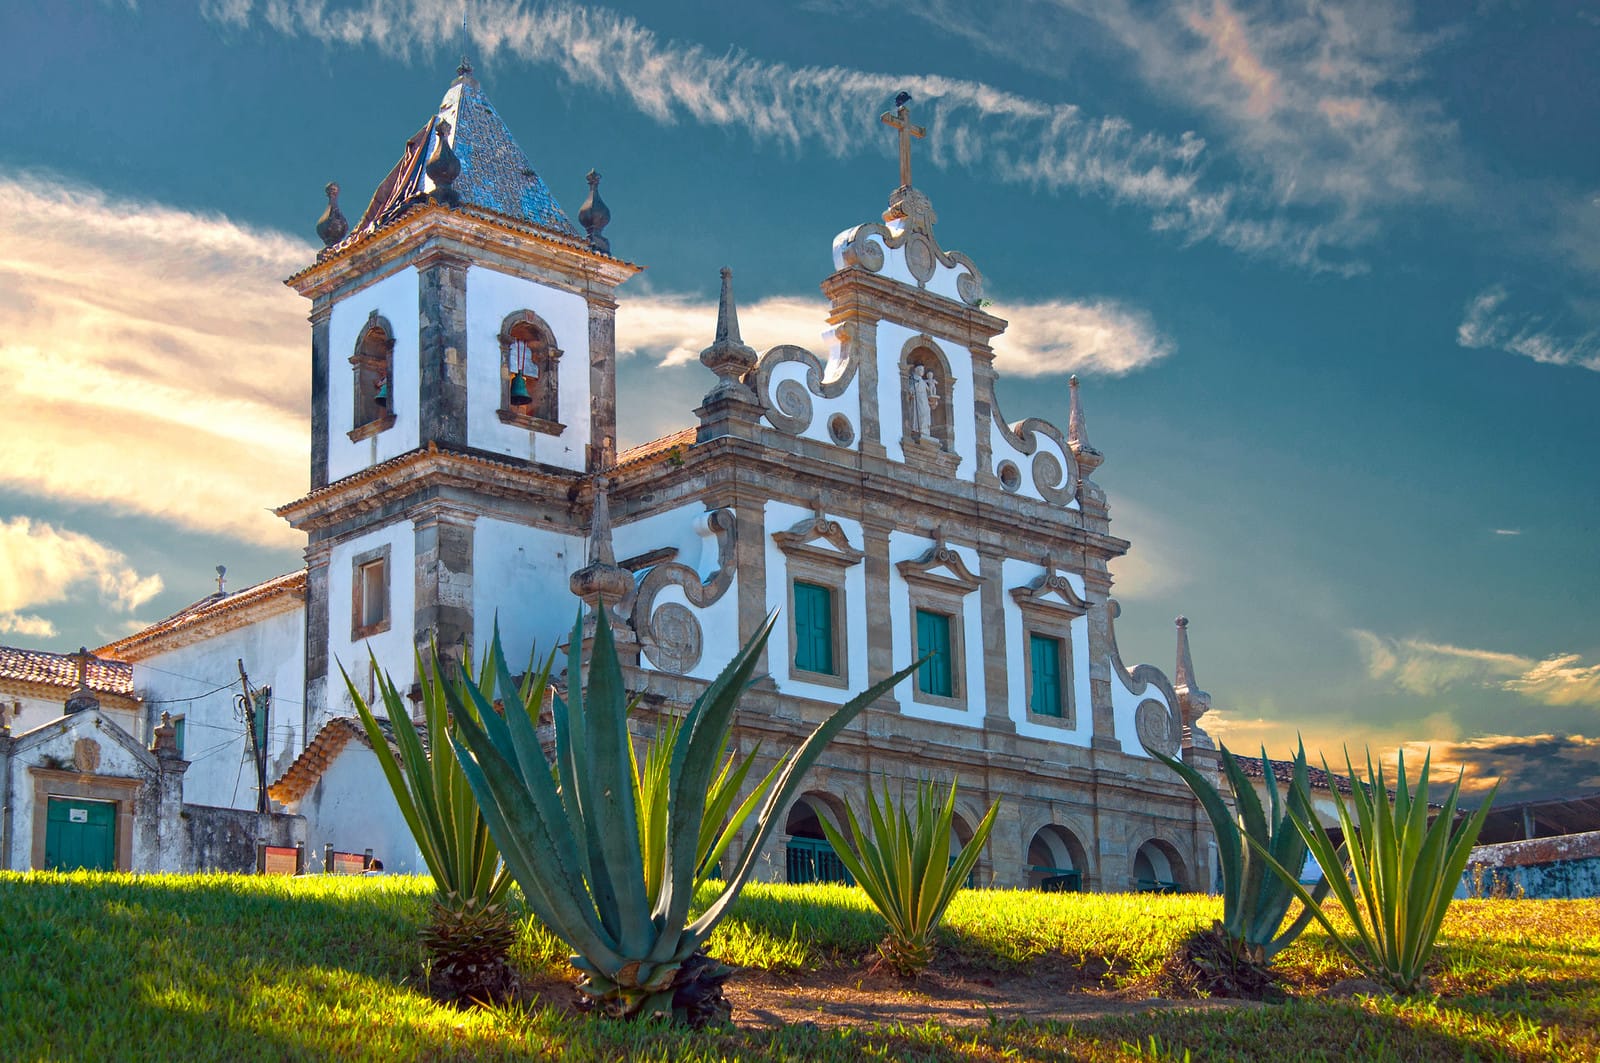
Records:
x=571, y=837
x=721, y=821
x=1254, y=899
x=470, y=930
x=1401, y=872
x=906, y=868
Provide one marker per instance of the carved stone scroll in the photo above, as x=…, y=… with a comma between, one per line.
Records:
x=1054, y=480
x=788, y=405
x=665, y=632
x=1142, y=678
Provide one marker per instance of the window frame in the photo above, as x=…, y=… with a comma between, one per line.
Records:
x=832, y=592
x=1049, y=608
x=544, y=414
x=930, y=589
x=1063, y=648
x=376, y=359
x=358, y=583
x=950, y=644
x=817, y=551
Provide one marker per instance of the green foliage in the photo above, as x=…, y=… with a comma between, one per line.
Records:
x=1254, y=900
x=651, y=789
x=572, y=838
x=906, y=868
x=1405, y=869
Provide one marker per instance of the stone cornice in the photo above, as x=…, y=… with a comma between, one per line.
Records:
x=399, y=476
x=468, y=234
x=855, y=293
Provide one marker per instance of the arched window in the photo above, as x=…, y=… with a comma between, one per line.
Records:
x=529, y=373
x=373, y=362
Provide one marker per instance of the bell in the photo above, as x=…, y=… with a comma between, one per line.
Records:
x=519, y=390
x=382, y=398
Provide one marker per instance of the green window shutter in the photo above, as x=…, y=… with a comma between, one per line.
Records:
x=933, y=636
x=813, y=628
x=177, y=733
x=263, y=702
x=1045, y=654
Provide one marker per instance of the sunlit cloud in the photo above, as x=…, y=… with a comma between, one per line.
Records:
x=1489, y=325
x=1055, y=336
x=1055, y=146
x=154, y=361
x=41, y=565
x=1429, y=668
x=1524, y=765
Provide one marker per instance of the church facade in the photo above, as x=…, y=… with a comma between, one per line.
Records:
x=465, y=474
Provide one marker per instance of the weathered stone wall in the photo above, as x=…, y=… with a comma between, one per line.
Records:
x=225, y=839
x=1545, y=868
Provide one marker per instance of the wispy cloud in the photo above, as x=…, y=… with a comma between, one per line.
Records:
x=1525, y=765
x=154, y=361
x=1055, y=336
x=1056, y=146
x=1428, y=668
x=1508, y=531
x=41, y=564
x=1489, y=325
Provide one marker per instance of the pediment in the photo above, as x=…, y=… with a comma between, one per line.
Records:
x=820, y=540
x=1051, y=592
x=940, y=567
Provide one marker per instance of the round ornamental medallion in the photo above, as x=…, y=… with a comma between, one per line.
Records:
x=970, y=289
x=86, y=754
x=867, y=253
x=677, y=639
x=840, y=430
x=794, y=402
x=919, y=257
x=1010, y=476
x=1153, y=723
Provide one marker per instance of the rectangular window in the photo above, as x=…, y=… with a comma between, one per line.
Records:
x=933, y=637
x=178, y=730
x=1044, y=655
x=374, y=594
x=813, y=628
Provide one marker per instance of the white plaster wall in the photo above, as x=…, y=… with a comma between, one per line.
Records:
x=394, y=648
x=1018, y=574
x=185, y=682
x=943, y=281
x=396, y=299
x=24, y=712
x=491, y=297
x=781, y=516
x=1002, y=450
x=892, y=337
x=352, y=808
x=905, y=547
x=719, y=630
x=521, y=575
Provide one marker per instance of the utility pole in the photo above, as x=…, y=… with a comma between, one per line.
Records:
x=258, y=751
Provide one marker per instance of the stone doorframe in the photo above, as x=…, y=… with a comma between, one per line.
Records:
x=50, y=782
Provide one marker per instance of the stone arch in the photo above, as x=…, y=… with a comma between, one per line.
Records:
x=528, y=347
x=924, y=351
x=807, y=855
x=1053, y=853
x=373, y=364
x=1158, y=865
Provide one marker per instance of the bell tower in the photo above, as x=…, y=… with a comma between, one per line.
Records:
x=463, y=384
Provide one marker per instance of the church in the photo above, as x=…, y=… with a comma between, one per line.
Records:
x=465, y=474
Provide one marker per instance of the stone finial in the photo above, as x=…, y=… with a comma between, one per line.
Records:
x=464, y=71
x=1088, y=457
x=594, y=215
x=1193, y=701
x=333, y=226
x=164, y=742
x=443, y=167
x=82, y=698
x=728, y=356
x=602, y=579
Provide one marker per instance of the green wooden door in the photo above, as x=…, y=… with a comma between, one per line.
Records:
x=80, y=834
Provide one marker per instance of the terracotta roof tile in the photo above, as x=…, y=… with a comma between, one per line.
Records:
x=1283, y=771
x=60, y=670
x=318, y=756
x=679, y=441
x=211, y=606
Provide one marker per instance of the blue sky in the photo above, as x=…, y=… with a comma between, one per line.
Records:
x=1328, y=272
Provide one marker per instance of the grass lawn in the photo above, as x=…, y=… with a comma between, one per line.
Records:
x=97, y=966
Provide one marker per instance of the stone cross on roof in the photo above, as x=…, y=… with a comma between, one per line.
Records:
x=900, y=119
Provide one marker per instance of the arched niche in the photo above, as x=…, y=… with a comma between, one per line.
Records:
x=1158, y=867
x=528, y=351
x=372, y=363
x=1057, y=861
x=922, y=359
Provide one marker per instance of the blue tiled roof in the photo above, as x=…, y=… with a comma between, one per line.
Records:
x=495, y=174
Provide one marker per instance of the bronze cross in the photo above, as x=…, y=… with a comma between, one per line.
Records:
x=900, y=118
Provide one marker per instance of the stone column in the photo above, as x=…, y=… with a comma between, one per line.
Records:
x=880, y=616
x=444, y=582
x=983, y=378
x=173, y=844
x=996, y=679
x=1102, y=645
x=442, y=351
x=317, y=635
x=851, y=310
x=602, y=380
x=321, y=311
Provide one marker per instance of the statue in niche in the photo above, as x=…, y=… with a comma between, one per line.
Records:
x=924, y=398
